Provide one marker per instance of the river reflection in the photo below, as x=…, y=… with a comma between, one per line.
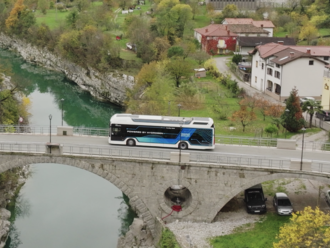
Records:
x=69, y=207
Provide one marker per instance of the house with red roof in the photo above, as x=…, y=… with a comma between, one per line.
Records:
x=221, y=39
x=277, y=69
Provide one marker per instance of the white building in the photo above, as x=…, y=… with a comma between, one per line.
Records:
x=277, y=69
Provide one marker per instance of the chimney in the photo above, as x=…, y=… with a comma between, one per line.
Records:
x=308, y=50
x=228, y=32
x=206, y=30
x=280, y=42
x=291, y=54
x=262, y=25
x=286, y=36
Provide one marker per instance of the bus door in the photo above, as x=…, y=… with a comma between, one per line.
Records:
x=117, y=132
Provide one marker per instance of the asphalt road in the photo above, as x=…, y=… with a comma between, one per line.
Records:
x=267, y=152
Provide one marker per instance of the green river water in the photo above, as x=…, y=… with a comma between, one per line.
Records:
x=61, y=206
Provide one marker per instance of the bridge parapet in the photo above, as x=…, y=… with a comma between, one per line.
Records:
x=286, y=144
x=54, y=148
x=65, y=131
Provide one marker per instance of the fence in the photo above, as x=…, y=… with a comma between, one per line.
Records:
x=90, y=131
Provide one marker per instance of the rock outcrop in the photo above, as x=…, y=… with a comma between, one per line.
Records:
x=138, y=236
x=106, y=87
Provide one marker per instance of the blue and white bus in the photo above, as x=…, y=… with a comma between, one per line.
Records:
x=162, y=131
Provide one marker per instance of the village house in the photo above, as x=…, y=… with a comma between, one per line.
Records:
x=325, y=101
x=221, y=39
x=277, y=69
x=216, y=39
x=245, y=44
x=266, y=25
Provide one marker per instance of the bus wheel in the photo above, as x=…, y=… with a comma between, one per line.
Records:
x=130, y=142
x=183, y=146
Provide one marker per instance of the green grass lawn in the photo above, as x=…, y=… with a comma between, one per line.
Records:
x=324, y=31
x=52, y=19
x=260, y=234
x=209, y=88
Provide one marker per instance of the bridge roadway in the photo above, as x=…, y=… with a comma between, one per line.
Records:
x=267, y=152
x=211, y=178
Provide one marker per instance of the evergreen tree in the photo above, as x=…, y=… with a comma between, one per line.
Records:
x=293, y=120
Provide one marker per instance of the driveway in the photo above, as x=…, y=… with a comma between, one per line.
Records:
x=223, y=68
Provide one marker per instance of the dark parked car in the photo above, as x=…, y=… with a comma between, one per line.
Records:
x=282, y=204
x=323, y=115
x=255, y=200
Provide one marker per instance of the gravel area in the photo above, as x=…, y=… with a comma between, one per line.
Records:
x=195, y=235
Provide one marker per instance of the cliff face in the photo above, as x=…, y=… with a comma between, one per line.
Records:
x=107, y=87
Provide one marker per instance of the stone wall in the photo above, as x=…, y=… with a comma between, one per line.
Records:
x=106, y=87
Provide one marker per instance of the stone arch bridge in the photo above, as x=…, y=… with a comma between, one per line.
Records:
x=145, y=181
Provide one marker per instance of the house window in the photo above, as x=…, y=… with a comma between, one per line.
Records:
x=311, y=62
x=256, y=64
x=270, y=71
x=262, y=66
x=326, y=58
x=278, y=66
x=255, y=79
x=277, y=74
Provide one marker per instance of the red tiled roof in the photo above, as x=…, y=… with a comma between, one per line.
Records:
x=215, y=30
x=238, y=20
x=264, y=23
x=246, y=28
x=314, y=50
x=272, y=48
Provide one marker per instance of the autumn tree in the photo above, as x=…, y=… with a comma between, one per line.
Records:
x=307, y=228
x=178, y=68
x=263, y=106
x=147, y=75
x=249, y=101
x=311, y=107
x=243, y=116
x=20, y=19
x=230, y=10
x=140, y=35
x=292, y=119
x=274, y=111
x=152, y=92
x=183, y=12
x=161, y=45
x=308, y=32
x=43, y=6
x=195, y=8
x=200, y=56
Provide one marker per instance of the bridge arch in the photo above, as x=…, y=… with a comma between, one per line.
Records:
x=263, y=178
x=97, y=167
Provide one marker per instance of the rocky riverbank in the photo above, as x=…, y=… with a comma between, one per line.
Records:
x=7, y=192
x=106, y=87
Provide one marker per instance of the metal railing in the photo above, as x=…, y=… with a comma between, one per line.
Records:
x=245, y=141
x=164, y=155
x=90, y=131
x=26, y=129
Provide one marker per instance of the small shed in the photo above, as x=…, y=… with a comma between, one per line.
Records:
x=200, y=72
